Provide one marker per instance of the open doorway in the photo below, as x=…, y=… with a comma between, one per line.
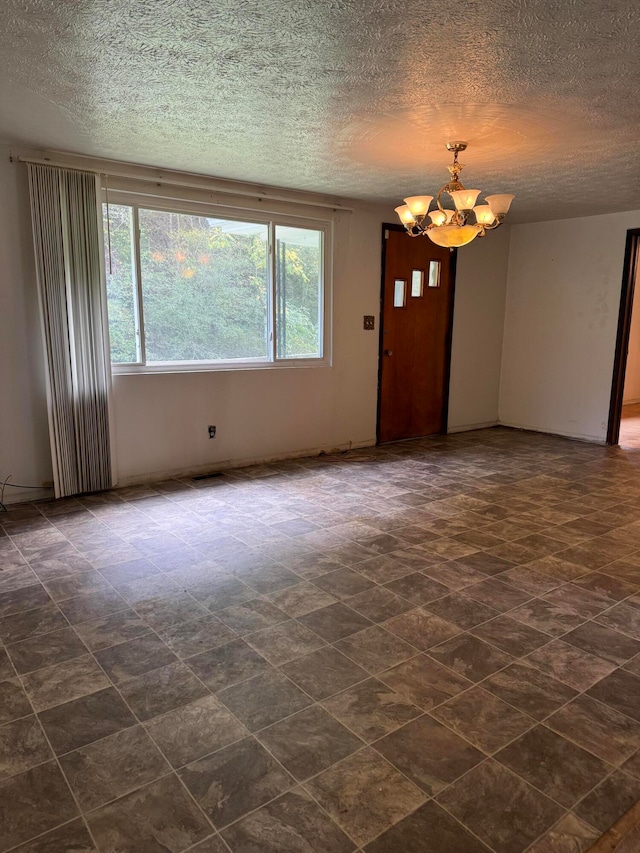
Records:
x=624, y=412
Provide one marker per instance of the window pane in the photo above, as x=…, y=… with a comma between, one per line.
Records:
x=298, y=292
x=204, y=287
x=399, y=293
x=121, y=283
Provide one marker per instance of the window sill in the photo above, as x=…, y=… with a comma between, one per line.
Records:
x=211, y=367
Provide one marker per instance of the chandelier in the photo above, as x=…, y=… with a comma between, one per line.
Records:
x=451, y=227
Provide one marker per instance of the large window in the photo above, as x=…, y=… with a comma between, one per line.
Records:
x=188, y=291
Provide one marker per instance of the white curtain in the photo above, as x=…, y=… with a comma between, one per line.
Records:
x=68, y=246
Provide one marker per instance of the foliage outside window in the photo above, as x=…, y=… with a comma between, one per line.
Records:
x=189, y=290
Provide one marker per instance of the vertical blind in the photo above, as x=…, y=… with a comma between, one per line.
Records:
x=67, y=242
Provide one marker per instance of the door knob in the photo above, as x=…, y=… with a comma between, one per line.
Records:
x=388, y=352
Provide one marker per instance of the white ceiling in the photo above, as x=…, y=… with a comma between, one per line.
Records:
x=348, y=97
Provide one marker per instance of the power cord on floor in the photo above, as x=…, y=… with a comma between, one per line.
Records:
x=7, y=484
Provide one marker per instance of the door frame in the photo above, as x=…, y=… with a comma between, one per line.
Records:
x=630, y=271
x=394, y=226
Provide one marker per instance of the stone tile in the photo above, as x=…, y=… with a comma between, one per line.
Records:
x=73, y=836
x=334, y=622
x=428, y=828
x=461, y=611
x=481, y=718
x=558, y=768
x=609, y=801
x=365, y=794
x=219, y=593
x=610, y=587
x=32, y=803
x=525, y=578
x=291, y=824
x=429, y=754
x=6, y=670
x=235, y=780
x=510, y=636
x=529, y=690
x=488, y=564
x=227, y=665
x=371, y=709
x=159, y=817
x=85, y=720
x=375, y=649
x=604, y=642
x=84, y=608
x=470, y=657
x=162, y=690
x=620, y=690
x=131, y=570
x=309, y=742
x=22, y=745
x=343, y=583
x=421, y=629
x=559, y=567
x=424, y=682
x=300, y=599
x=633, y=665
x=284, y=642
x=383, y=569
x=13, y=701
x=213, y=844
x=632, y=766
x=110, y=630
x=570, y=664
x=270, y=579
x=85, y=583
x=587, y=604
x=379, y=604
x=38, y=652
x=113, y=767
x=624, y=618
x=570, y=835
x=21, y=600
x=251, y=616
x=552, y=619
x=491, y=789
x=62, y=682
x=21, y=626
x=169, y=610
x=195, y=730
x=197, y=635
x=264, y=700
x=602, y=730
x=496, y=594
x=324, y=672
x=453, y=574
x=135, y=657
x=418, y=588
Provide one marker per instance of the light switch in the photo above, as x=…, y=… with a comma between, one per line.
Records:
x=369, y=322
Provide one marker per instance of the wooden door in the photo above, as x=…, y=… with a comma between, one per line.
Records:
x=417, y=308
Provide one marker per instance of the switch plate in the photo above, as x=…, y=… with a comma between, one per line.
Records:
x=369, y=322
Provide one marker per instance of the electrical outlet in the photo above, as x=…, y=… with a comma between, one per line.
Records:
x=212, y=431
x=369, y=322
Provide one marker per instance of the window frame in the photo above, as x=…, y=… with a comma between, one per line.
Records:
x=271, y=220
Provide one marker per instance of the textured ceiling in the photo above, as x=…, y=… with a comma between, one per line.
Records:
x=349, y=97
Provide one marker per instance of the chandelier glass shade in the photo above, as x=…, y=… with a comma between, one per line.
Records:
x=452, y=227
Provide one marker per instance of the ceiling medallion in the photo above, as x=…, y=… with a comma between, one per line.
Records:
x=451, y=228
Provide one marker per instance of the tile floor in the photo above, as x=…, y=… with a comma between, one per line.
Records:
x=432, y=646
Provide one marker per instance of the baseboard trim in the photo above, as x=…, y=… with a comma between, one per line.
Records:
x=592, y=439
x=470, y=427
x=226, y=464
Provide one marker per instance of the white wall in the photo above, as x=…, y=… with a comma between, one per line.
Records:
x=478, y=321
x=161, y=419
x=563, y=297
x=632, y=375
x=24, y=436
